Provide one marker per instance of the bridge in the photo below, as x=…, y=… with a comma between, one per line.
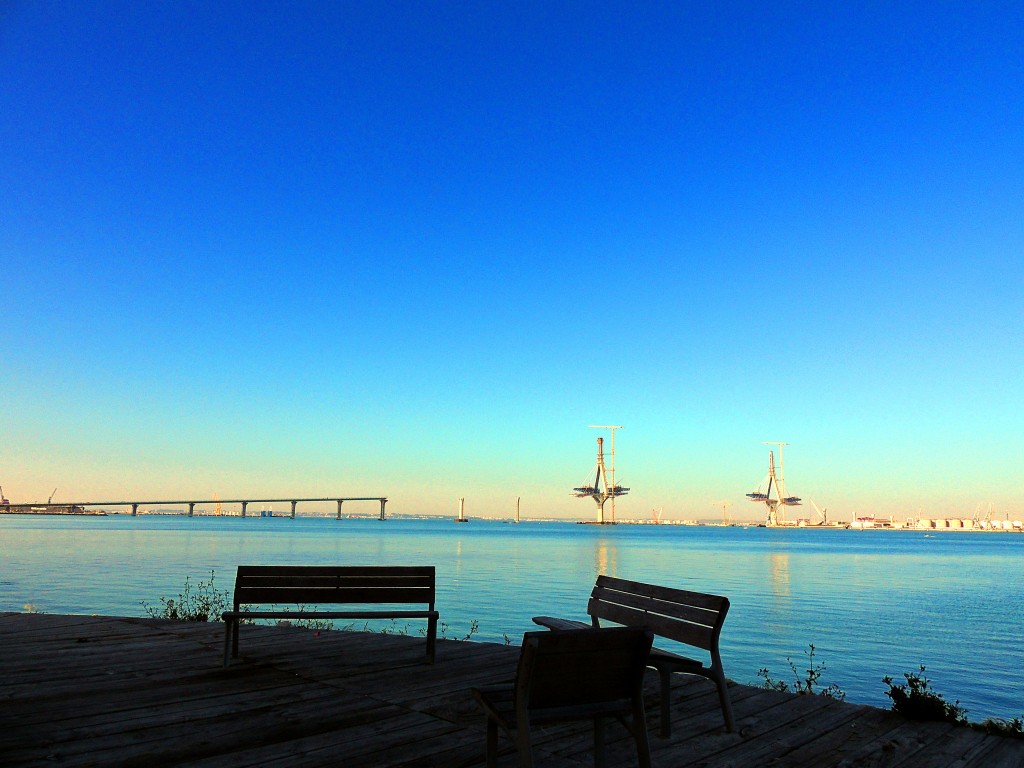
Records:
x=80, y=506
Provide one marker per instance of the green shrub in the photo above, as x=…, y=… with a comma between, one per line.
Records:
x=203, y=602
x=805, y=684
x=916, y=700
x=1012, y=727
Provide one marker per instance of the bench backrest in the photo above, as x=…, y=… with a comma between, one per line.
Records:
x=676, y=614
x=319, y=584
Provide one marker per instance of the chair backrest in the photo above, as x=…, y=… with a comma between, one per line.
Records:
x=581, y=668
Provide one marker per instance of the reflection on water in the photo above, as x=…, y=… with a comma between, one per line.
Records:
x=780, y=574
x=605, y=560
x=872, y=603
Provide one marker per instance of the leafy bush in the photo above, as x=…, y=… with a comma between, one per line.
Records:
x=1012, y=727
x=203, y=602
x=805, y=686
x=918, y=701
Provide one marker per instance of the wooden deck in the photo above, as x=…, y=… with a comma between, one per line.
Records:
x=106, y=691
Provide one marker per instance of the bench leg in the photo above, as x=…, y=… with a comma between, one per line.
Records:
x=431, y=639
x=665, y=727
x=227, y=641
x=492, y=743
x=725, y=701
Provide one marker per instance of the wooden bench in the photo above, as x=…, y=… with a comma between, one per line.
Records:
x=319, y=585
x=691, y=618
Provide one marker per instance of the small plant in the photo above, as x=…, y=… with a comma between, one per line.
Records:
x=1013, y=727
x=394, y=629
x=916, y=700
x=805, y=685
x=474, y=625
x=302, y=622
x=203, y=602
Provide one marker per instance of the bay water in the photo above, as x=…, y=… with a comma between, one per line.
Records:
x=873, y=603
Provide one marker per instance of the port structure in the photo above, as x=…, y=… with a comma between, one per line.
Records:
x=604, y=486
x=776, y=507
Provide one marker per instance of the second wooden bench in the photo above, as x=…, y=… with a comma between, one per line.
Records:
x=322, y=585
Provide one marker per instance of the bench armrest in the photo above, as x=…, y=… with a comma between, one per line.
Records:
x=550, y=622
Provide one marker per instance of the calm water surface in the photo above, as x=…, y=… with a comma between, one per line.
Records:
x=873, y=603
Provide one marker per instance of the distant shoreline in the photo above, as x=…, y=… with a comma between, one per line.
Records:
x=921, y=525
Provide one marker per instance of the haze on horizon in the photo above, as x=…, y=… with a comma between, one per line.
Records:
x=415, y=250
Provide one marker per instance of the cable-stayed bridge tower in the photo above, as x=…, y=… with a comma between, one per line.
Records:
x=604, y=486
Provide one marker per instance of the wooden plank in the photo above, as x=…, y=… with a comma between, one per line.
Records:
x=691, y=634
x=321, y=570
x=289, y=578
x=669, y=594
x=648, y=603
x=341, y=594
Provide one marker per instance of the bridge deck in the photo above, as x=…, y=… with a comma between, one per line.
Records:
x=79, y=690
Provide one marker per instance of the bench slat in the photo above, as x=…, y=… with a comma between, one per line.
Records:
x=330, y=614
x=691, y=634
x=688, y=613
x=320, y=595
x=336, y=570
x=337, y=580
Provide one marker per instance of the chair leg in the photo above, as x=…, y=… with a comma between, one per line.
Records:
x=638, y=727
x=492, y=743
x=665, y=728
x=600, y=760
x=525, y=745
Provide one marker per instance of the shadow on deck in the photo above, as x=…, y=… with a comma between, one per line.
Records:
x=107, y=691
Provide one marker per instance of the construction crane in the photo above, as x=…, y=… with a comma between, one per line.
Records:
x=49, y=500
x=725, y=506
x=821, y=511
x=603, y=487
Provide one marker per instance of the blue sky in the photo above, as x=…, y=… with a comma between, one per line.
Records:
x=416, y=249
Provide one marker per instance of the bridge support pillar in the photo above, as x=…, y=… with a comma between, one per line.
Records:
x=382, y=503
x=293, y=509
x=339, y=508
x=244, y=505
x=135, y=510
x=191, y=508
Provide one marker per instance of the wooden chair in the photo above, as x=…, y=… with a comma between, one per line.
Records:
x=588, y=674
